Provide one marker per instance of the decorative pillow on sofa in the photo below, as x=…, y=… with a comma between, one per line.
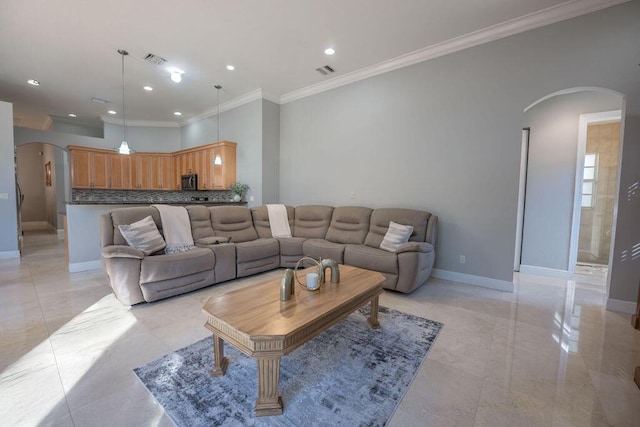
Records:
x=143, y=235
x=397, y=234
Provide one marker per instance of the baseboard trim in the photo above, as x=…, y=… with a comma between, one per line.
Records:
x=544, y=271
x=9, y=254
x=627, y=307
x=75, y=267
x=485, y=282
x=35, y=225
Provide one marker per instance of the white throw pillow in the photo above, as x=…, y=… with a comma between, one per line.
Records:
x=143, y=235
x=397, y=234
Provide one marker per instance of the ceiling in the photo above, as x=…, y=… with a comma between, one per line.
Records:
x=70, y=46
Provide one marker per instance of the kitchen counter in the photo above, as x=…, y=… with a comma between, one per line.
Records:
x=155, y=202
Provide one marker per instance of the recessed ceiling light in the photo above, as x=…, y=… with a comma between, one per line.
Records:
x=33, y=82
x=72, y=115
x=148, y=88
x=329, y=51
x=177, y=113
x=111, y=112
x=230, y=67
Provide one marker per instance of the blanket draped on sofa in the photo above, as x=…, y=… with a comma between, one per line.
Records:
x=279, y=221
x=176, y=228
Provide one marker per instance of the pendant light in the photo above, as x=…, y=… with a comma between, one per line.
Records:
x=124, y=147
x=218, y=159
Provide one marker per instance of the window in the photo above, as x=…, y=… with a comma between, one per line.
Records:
x=588, y=179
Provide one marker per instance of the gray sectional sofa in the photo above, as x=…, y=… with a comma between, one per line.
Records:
x=235, y=241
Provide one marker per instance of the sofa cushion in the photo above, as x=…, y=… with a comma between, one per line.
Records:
x=200, y=220
x=312, y=221
x=257, y=256
x=349, y=224
x=320, y=248
x=396, y=235
x=126, y=216
x=256, y=249
x=260, y=215
x=170, y=266
x=371, y=258
x=379, y=224
x=234, y=222
x=143, y=235
x=291, y=245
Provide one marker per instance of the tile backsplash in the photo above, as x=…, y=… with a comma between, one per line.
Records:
x=147, y=196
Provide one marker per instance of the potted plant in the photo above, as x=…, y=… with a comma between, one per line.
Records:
x=238, y=189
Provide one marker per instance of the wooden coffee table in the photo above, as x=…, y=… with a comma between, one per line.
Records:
x=255, y=321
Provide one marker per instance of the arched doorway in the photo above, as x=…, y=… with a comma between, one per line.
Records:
x=553, y=165
x=42, y=176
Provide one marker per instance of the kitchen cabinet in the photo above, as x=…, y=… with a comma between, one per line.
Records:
x=224, y=174
x=141, y=171
x=206, y=159
x=106, y=169
x=89, y=168
x=200, y=160
x=120, y=172
x=162, y=172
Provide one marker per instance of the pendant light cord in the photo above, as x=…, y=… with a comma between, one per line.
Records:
x=124, y=116
x=218, y=87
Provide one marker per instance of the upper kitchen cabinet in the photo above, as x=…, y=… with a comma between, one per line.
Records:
x=89, y=167
x=215, y=165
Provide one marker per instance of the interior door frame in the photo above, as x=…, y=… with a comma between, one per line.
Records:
x=586, y=120
x=522, y=192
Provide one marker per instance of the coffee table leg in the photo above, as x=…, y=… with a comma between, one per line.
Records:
x=373, y=313
x=220, y=362
x=268, y=402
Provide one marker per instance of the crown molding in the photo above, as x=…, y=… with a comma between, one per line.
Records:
x=254, y=95
x=46, y=124
x=270, y=97
x=524, y=23
x=141, y=123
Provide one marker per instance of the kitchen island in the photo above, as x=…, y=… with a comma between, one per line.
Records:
x=83, y=227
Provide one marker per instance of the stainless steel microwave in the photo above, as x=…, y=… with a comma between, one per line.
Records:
x=189, y=182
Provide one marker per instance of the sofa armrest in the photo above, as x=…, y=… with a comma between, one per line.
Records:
x=213, y=240
x=122, y=251
x=415, y=247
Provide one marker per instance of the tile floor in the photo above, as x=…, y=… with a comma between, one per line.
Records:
x=547, y=355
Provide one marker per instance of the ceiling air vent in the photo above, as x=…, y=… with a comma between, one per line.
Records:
x=155, y=59
x=99, y=100
x=325, y=70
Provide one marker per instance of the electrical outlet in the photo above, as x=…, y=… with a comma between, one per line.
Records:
x=4, y=196
x=353, y=194
x=462, y=259
x=251, y=198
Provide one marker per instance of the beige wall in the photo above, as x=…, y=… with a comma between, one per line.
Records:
x=31, y=179
x=596, y=221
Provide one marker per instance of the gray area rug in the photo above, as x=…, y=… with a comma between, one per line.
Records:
x=349, y=375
